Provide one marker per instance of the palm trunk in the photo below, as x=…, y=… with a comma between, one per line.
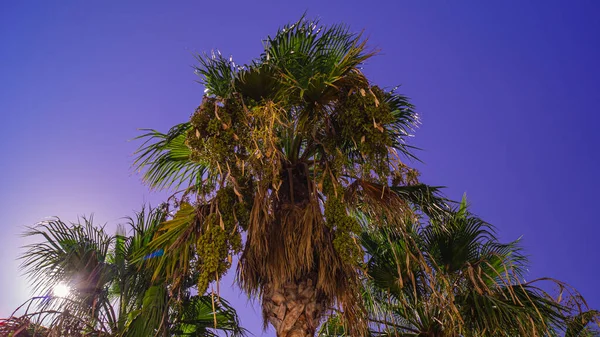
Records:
x=293, y=309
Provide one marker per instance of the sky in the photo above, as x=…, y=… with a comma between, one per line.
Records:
x=508, y=93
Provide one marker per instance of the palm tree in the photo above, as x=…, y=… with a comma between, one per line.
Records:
x=286, y=150
x=471, y=285
x=111, y=294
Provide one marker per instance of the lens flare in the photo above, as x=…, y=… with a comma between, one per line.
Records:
x=61, y=290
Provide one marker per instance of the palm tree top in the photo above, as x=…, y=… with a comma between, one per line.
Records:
x=111, y=293
x=287, y=149
x=468, y=284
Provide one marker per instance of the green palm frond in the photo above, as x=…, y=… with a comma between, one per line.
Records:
x=76, y=256
x=205, y=316
x=460, y=239
x=257, y=81
x=73, y=254
x=134, y=279
x=165, y=159
x=217, y=73
x=172, y=239
x=151, y=318
x=516, y=309
x=392, y=262
x=313, y=59
x=457, y=241
x=471, y=283
x=405, y=121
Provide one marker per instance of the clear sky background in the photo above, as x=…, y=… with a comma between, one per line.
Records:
x=508, y=92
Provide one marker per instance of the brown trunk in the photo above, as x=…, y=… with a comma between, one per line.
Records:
x=293, y=309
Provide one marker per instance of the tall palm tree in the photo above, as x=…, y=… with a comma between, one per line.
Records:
x=471, y=285
x=286, y=150
x=110, y=293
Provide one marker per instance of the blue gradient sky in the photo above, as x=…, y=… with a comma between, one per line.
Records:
x=508, y=92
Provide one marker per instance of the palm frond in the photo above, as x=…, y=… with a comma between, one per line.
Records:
x=312, y=59
x=405, y=121
x=165, y=159
x=150, y=319
x=471, y=283
x=73, y=254
x=217, y=73
x=517, y=309
x=206, y=315
x=173, y=238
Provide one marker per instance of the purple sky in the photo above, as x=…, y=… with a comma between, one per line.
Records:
x=508, y=93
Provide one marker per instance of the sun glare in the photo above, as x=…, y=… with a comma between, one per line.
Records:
x=61, y=290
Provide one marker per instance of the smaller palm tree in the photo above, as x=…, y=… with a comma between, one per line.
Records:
x=110, y=293
x=470, y=285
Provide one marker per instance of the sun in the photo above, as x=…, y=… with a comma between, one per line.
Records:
x=61, y=290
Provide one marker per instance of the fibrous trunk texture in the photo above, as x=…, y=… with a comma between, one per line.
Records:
x=294, y=309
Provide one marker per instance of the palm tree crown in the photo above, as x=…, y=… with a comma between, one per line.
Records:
x=286, y=149
x=111, y=294
x=470, y=285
